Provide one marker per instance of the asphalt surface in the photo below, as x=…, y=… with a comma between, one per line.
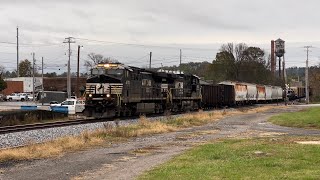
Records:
x=128, y=160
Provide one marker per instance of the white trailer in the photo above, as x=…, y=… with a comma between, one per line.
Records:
x=261, y=93
x=251, y=92
x=268, y=93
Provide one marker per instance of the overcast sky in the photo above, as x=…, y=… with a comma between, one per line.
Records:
x=198, y=27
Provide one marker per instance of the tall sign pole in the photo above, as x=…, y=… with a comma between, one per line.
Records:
x=17, y=51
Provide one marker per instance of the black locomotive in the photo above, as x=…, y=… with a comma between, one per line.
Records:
x=118, y=90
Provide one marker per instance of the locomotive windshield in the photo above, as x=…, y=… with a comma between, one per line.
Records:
x=97, y=71
x=113, y=72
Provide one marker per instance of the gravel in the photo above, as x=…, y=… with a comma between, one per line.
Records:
x=23, y=138
x=42, y=135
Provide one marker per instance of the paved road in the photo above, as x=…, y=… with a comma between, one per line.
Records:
x=120, y=161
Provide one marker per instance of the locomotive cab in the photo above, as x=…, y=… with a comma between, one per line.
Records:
x=104, y=89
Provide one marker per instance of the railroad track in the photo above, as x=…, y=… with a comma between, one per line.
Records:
x=26, y=127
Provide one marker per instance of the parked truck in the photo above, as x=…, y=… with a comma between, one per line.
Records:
x=49, y=96
x=17, y=97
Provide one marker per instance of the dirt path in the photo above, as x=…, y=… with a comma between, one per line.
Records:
x=130, y=159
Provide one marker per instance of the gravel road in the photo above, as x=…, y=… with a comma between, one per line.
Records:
x=130, y=159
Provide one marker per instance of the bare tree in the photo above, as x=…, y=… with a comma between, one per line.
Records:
x=227, y=47
x=94, y=59
x=2, y=70
x=240, y=50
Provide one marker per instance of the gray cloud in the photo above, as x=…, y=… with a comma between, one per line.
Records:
x=180, y=22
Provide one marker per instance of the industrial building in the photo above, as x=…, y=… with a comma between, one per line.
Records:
x=24, y=84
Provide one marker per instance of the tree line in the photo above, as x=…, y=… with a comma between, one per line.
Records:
x=235, y=62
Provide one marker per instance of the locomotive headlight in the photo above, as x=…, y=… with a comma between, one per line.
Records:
x=108, y=95
x=90, y=95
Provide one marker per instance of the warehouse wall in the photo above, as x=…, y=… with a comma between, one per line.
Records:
x=13, y=87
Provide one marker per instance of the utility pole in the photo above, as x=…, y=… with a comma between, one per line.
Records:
x=78, y=72
x=307, y=74
x=69, y=41
x=42, y=89
x=285, y=79
x=33, y=79
x=284, y=70
x=180, y=60
x=298, y=74
x=17, y=51
x=150, y=60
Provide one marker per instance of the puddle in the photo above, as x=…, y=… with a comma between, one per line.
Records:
x=126, y=158
x=145, y=150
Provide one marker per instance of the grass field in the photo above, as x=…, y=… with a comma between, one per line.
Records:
x=309, y=118
x=244, y=159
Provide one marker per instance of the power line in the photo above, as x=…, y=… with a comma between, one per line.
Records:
x=145, y=45
x=29, y=44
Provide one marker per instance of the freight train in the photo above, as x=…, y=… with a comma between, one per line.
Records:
x=294, y=93
x=115, y=89
x=119, y=90
x=229, y=93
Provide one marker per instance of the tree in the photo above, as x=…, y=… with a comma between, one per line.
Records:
x=240, y=63
x=223, y=67
x=25, y=68
x=2, y=70
x=314, y=79
x=3, y=84
x=94, y=59
x=53, y=74
x=9, y=74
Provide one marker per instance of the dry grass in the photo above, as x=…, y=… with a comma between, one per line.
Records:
x=50, y=149
x=114, y=134
x=195, y=119
x=266, y=108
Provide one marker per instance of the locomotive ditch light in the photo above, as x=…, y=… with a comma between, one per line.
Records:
x=108, y=65
x=108, y=95
x=90, y=95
